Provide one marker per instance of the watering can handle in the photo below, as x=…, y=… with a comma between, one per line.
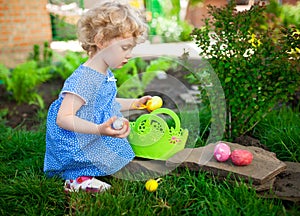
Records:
x=147, y=117
x=170, y=113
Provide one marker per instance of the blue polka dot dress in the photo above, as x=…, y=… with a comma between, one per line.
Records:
x=70, y=154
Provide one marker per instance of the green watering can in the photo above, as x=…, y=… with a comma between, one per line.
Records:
x=152, y=138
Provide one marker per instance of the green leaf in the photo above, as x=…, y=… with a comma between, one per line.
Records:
x=227, y=79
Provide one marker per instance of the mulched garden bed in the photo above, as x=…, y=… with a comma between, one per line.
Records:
x=25, y=115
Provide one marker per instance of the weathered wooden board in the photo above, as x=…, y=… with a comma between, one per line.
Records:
x=287, y=184
x=143, y=169
x=264, y=167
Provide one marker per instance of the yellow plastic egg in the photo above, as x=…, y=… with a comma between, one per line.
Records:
x=151, y=185
x=154, y=103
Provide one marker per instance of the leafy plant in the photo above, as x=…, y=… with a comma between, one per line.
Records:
x=47, y=55
x=67, y=63
x=252, y=59
x=23, y=80
x=132, y=68
x=134, y=77
x=4, y=74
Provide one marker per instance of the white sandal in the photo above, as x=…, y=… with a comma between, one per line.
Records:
x=85, y=183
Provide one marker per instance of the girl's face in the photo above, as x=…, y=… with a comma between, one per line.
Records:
x=118, y=52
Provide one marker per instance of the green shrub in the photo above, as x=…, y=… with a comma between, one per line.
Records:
x=252, y=58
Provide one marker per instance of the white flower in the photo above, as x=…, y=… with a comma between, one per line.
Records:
x=248, y=53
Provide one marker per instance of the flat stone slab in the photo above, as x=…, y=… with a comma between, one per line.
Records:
x=262, y=171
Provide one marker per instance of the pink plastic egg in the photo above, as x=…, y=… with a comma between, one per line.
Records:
x=222, y=152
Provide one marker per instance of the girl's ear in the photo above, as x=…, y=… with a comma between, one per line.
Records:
x=99, y=45
x=98, y=41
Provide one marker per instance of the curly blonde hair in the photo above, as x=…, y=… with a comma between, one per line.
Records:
x=109, y=20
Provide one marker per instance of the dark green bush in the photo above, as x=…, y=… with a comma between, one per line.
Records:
x=255, y=60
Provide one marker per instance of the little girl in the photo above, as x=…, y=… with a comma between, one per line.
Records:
x=80, y=140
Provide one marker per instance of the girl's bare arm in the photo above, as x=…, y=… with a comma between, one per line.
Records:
x=67, y=119
x=129, y=104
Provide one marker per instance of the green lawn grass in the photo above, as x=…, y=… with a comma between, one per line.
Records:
x=26, y=191
x=280, y=132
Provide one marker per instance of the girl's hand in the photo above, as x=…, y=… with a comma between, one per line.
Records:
x=140, y=102
x=107, y=130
